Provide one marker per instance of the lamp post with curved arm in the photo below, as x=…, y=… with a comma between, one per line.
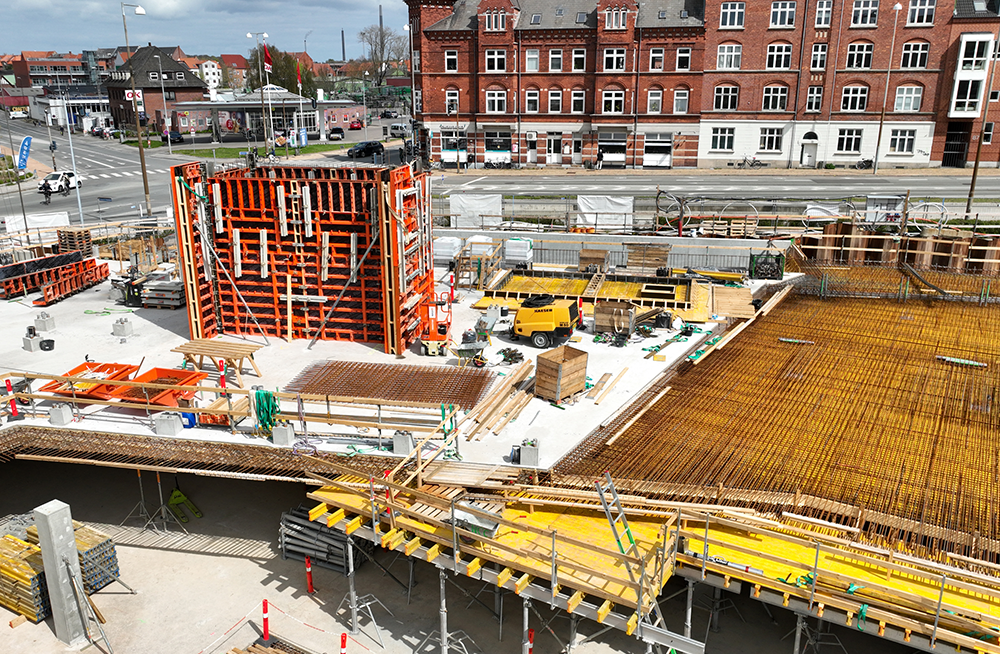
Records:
x=139, y=11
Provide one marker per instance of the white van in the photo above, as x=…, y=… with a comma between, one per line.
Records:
x=399, y=130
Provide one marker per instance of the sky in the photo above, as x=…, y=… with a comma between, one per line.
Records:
x=208, y=27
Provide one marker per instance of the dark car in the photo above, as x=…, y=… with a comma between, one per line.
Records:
x=365, y=149
x=175, y=137
x=336, y=134
x=390, y=113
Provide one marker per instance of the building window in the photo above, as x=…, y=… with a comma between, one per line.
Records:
x=169, y=95
x=496, y=21
x=614, y=102
x=921, y=12
x=683, y=58
x=578, y=100
x=531, y=102
x=994, y=96
x=779, y=56
x=555, y=101
x=722, y=138
x=987, y=133
x=967, y=95
x=153, y=75
x=974, y=55
x=451, y=60
x=782, y=14
x=859, y=55
x=814, y=99
x=818, y=61
x=555, y=61
x=615, y=19
x=180, y=75
x=614, y=59
x=579, y=60
x=496, y=141
x=416, y=61
x=536, y=19
x=770, y=139
x=581, y=17
x=656, y=59
x=451, y=102
x=730, y=56
x=496, y=61
x=654, y=102
x=848, y=141
x=824, y=11
x=908, y=98
x=531, y=61
x=915, y=55
x=727, y=98
x=681, y=101
x=865, y=13
x=901, y=140
x=496, y=102
x=731, y=14
x=775, y=98
x=418, y=100
x=184, y=121
x=855, y=98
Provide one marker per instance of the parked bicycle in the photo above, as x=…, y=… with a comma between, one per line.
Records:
x=751, y=163
x=864, y=164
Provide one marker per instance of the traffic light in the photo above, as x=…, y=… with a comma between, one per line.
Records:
x=53, y=146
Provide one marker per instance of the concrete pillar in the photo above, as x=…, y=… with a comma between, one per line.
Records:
x=55, y=536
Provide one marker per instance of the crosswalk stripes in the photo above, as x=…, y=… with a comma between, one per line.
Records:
x=124, y=173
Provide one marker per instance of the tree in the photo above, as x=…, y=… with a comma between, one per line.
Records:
x=386, y=48
x=283, y=71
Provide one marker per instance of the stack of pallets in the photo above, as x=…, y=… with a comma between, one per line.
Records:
x=22, y=579
x=98, y=558
x=326, y=547
x=76, y=238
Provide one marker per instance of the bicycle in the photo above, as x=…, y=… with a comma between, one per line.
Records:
x=750, y=163
x=864, y=164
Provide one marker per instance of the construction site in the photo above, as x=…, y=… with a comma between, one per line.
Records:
x=569, y=439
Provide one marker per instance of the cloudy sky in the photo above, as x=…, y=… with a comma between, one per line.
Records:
x=199, y=26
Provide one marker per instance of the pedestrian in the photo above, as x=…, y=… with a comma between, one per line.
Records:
x=61, y=131
x=600, y=159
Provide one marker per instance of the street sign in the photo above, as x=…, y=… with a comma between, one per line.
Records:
x=104, y=199
x=137, y=95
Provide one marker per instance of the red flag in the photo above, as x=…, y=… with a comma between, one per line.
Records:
x=267, y=59
x=298, y=72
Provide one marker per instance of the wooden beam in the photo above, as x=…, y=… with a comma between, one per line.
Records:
x=607, y=389
x=433, y=552
x=353, y=525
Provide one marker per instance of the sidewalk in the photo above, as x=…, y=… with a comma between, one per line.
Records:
x=37, y=167
x=728, y=172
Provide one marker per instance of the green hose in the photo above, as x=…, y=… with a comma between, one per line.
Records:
x=267, y=410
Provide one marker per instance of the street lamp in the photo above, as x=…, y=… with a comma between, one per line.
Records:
x=885, y=95
x=364, y=103
x=163, y=101
x=139, y=11
x=413, y=83
x=260, y=78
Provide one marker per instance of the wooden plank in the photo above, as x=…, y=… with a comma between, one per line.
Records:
x=599, y=385
x=610, y=386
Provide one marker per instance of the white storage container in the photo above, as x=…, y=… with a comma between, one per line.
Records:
x=518, y=250
x=479, y=245
x=446, y=248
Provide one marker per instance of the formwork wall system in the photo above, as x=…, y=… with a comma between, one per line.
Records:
x=288, y=239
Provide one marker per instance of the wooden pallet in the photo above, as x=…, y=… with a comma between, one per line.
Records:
x=75, y=238
x=474, y=475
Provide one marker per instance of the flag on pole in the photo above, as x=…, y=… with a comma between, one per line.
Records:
x=298, y=73
x=22, y=154
x=267, y=59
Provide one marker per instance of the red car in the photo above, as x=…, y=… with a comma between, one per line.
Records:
x=356, y=124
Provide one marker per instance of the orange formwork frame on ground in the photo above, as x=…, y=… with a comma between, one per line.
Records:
x=276, y=246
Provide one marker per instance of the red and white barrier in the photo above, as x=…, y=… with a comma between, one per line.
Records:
x=531, y=640
x=343, y=643
x=222, y=376
x=309, y=576
x=267, y=628
x=13, y=402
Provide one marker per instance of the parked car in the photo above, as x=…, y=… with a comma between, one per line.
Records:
x=390, y=113
x=175, y=137
x=356, y=124
x=365, y=149
x=60, y=181
x=336, y=134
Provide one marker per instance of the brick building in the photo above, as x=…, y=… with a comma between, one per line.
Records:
x=235, y=66
x=696, y=83
x=39, y=69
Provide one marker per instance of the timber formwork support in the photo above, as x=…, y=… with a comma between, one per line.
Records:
x=289, y=240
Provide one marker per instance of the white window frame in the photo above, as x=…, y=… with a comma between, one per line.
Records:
x=814, y=99
x=531, y=61
x=555, y=61
x=616, y=57
x=902, y=141
x=770, y=139
x=682, y=99
x=775, y=98
x=418, y=100
x=531, y=100
x=578, y=98
x=656, y=58
x=783, y=14
x=496, y=102
x=496, y=21
x=729, y=57
x=723, y=139
x=613, y=99
x=654, y=101
x=824, y=13
x=921, y=13
x=779, y=56
x=616, y=19
x=732, y=15
x=864, y=13
x=451, y=100
x=579, y=60
x=416, y=61
x=915, y=52
x=683, y=61
x=496, y=61
x=967, y=102
x=987, y=133
x=908, y=98
x=849, y=137
x=859, y=55
x=976, y=59
x=854, y=99
x=818, y=60
x=726, y=97
x=450, y=61
x=555, y=101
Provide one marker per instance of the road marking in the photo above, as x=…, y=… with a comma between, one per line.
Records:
x=100, y=163
x=105, y=175
x=115, y=175
x=472, y=182
x=126, y=173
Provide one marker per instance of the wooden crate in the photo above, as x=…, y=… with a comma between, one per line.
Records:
x=614, y=317
x=560, y=373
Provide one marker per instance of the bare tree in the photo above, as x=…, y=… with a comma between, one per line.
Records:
x=386, y=50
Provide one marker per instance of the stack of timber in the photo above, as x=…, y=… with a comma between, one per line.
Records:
x=98, y=558
x=76, y=238
x=163, y=295
x=261, y=649
x=501, y=406
x=326, y=547
x=22, y=579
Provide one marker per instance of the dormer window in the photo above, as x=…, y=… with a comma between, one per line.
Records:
x=179, y=75
x=536, y=19
x=615, y=19
x=153, y=76
x=496, y=21
x=581, y=17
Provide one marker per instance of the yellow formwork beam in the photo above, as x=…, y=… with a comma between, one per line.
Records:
x=387, y=536
x=433, y=552
x=317, y=511
x=353, y=525
x=522, y=583
x=632, y=623
x=411, y=546
x=504, y=576
x=603, y=611
x=335, y=517
x=473, y=566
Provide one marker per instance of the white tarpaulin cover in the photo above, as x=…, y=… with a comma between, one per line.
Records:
x=38, y=221
x=604, y=211
x=472, y=210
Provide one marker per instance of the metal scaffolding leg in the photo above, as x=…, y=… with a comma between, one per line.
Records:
x=139, y=510
x=716, y=602
x=525, y=645
x=409, y=581
x=443, y=577
x=798, y=634
x=498, y=608
x=573, y=619
x=687, y=614
x=163, y=514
